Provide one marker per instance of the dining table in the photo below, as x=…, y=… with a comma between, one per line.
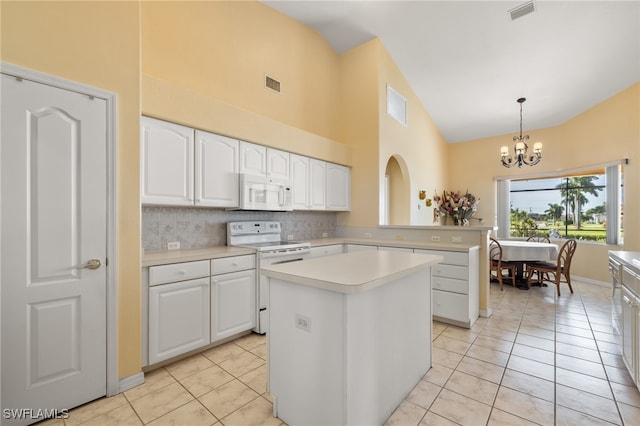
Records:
x=520, y=252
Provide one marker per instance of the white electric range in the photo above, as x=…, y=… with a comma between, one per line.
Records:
x=266, y=238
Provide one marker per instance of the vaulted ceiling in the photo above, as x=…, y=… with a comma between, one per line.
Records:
x=468, y=61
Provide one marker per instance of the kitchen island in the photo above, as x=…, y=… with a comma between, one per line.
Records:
x=350, y=335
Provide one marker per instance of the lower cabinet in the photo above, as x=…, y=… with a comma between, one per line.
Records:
x=193, y=304
x=233, y=303
x=178, y=318
x=455, y=285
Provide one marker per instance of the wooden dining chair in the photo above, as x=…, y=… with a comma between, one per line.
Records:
x=553, y=271
x=498, y=265
x=539, y=238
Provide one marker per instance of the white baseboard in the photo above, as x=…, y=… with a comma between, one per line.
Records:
x=486, y=313
x=590, y=281
x=131, y=382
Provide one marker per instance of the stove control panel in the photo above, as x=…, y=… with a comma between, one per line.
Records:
x=252, y=228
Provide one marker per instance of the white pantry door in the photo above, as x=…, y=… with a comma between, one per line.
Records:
x=53, y=253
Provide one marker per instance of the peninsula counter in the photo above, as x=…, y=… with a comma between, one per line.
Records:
x=349, y=337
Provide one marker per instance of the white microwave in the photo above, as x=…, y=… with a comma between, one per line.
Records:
x=263, y=193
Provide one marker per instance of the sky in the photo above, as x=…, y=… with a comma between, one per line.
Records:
x=538, y=202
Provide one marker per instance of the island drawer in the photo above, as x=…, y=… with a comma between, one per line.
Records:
x=450, y=284
x=174, y=272
x=450, y=257
x=224, y=265
x=450, y=271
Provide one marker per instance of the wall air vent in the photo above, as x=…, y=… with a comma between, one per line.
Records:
x=522, y=10
x=271, y=83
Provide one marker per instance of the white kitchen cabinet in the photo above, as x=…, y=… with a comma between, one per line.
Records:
x=262, y=161
x=455, y=286
x=166, y=167
x=326, y=250
x=338, y=187
x=629, y=332
x=300, y=182
x=216, y=170
x=278, y=164
x=178, y=318
x=233, y=296
x=253, y=159
x=186, y=167
x=317, y=184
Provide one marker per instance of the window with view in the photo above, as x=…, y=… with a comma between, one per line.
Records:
x=584, y=206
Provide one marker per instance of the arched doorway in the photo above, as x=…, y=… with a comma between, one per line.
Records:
x=394, y=208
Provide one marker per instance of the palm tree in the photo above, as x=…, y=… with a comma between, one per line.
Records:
x=573, y=194
x=554, y=212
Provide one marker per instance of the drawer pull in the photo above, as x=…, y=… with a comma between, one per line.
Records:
x=235, y=263
x=182, y=272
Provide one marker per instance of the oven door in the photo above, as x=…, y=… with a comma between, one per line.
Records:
x=267, y=259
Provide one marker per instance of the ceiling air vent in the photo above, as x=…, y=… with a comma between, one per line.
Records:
x=271, y=83
x=522, y=10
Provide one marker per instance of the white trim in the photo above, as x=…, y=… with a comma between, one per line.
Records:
x=575, y=278
x=486, y=313
x=551, y=174
x=112, y=380
x=131, y=382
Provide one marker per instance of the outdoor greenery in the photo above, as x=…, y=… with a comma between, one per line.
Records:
x=568, y=218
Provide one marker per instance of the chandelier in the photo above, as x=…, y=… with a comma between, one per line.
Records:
x=520, y=155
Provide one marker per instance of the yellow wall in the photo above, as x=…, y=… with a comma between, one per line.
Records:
x=359, y=85
x=96, y=43
x=607, y=132
x=419, y=144
x=204, y=63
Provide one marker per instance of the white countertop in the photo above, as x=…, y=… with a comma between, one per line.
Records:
x=630, y=259
x=175, y=256
x=393, y=243
x=351, y=272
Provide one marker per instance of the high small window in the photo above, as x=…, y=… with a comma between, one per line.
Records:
x=584, y=206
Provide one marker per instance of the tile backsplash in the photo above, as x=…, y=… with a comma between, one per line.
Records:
x=199, y=228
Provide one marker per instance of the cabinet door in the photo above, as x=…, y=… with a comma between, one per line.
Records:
x=300, y=182
x=278, y=164
x=338, y=187
x=178, y=318
x=253, y=159
x=317, y=184
x=166, y=163
x=451, y=306
x=216, y=163
x=628, y=318
x=233, y=303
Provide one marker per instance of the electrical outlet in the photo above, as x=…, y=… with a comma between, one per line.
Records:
x=456, y=239
x=325, y=234
x=173, y=245
x=289, y=237
x=435, y=238
x=303, y=322
x=367, y=235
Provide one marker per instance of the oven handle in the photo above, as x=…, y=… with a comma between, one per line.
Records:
x=287, y=261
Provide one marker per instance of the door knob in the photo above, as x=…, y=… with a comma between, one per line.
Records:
x=92, y=264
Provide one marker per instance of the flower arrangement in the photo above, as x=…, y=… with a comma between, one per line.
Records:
x=460, y=207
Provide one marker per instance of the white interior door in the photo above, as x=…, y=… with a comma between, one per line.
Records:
x=54, y=245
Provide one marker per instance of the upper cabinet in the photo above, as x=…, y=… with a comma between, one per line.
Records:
x=262, y=161
x=181, y=166
x=216, y=183
x=317, y=184
x=184, y=167
x=338, y=187
x=300, y=182
x=166, y=163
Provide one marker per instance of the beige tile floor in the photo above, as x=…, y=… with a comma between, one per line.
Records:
x=539, y=359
